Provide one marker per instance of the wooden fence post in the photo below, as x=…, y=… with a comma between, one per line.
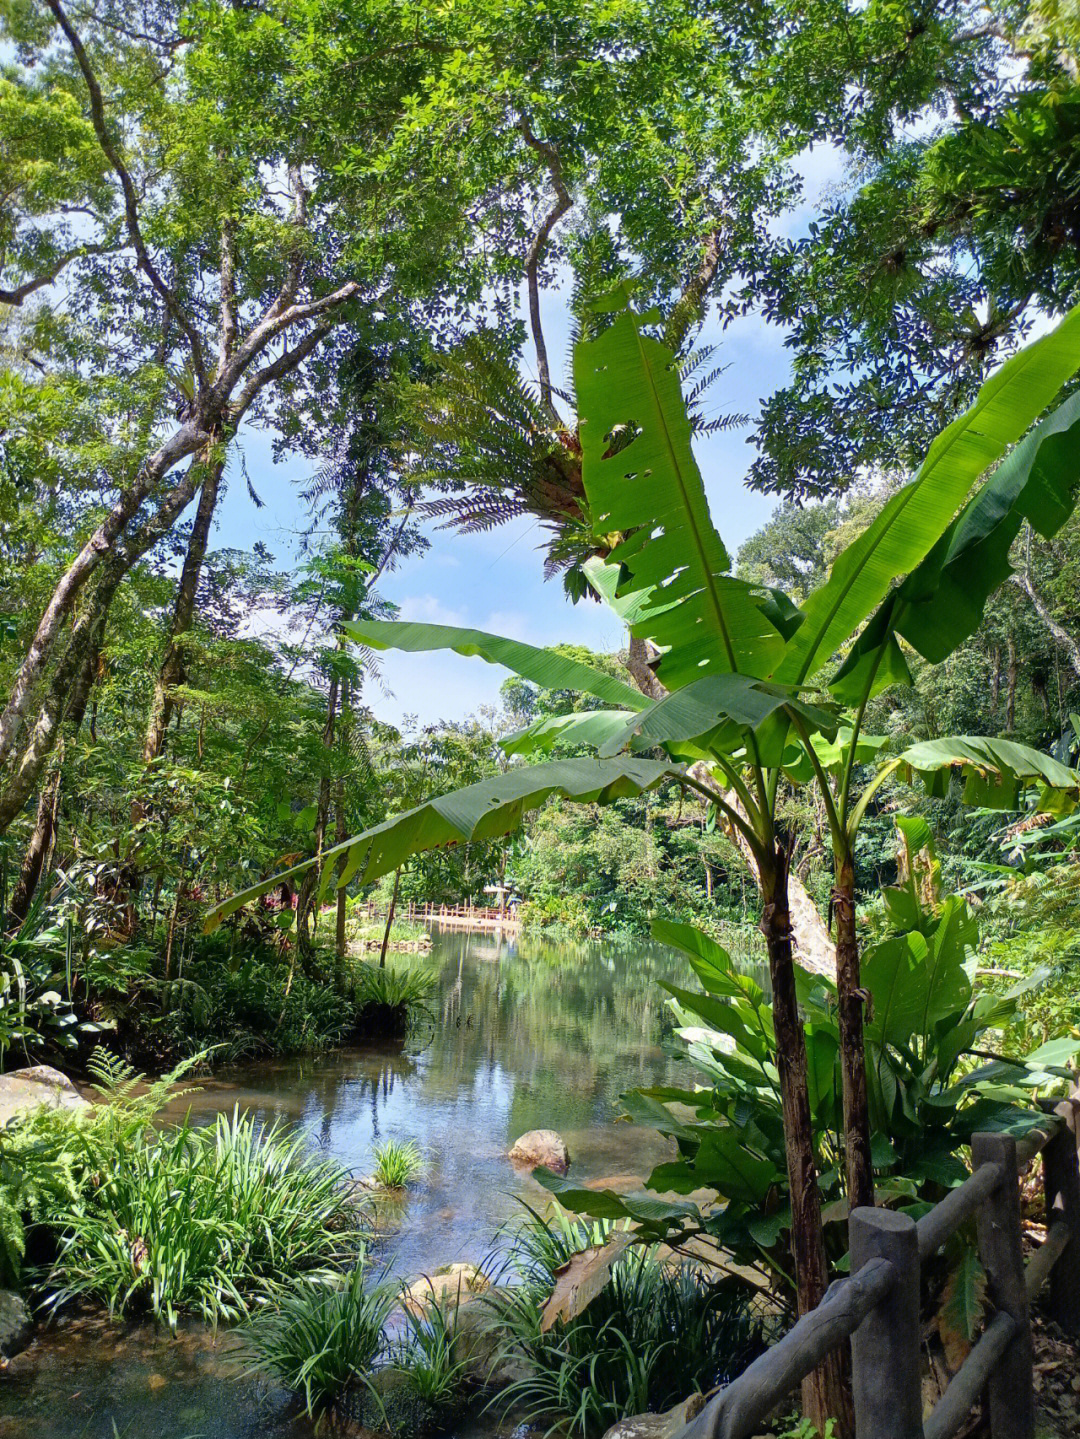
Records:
x=1011, y=1389
x=1062, y=1175
x=886, y=1359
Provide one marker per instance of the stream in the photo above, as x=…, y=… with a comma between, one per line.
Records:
x=523, y=1034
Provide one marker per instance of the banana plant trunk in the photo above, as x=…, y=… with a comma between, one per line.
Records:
x=858, y=1167
x=825, y=1391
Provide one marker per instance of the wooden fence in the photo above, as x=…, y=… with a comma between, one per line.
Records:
x=460, y=915
x=877, y=1307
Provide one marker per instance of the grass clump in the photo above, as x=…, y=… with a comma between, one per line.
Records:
x=321, y=1337
x=387, y=1000
x=657, y=1332
x=397, y=1163
x=203, y=1221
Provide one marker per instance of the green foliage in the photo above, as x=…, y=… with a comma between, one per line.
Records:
x=52, y=1159
x=388, y=1000
x=926, y=1028
x=397, y=1163
x=320, y=1336
x=657, y=1331
x=204, y=1221
x=482, y=811
x=430, y=1361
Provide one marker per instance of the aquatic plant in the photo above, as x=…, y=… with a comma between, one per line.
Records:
x=431, y=1365
x=658, y=1331
x=321, y=1337
x=397, y=1161
x=204, y=1220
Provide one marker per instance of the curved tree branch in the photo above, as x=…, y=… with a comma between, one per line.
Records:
x=550, y=156
x=131, y=202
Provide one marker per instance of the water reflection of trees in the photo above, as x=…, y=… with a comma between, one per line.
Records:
x=573, y=1018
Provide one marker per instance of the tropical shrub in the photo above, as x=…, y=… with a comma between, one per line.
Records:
x=740, y=693
x=320, y=1337
x=657, y=1331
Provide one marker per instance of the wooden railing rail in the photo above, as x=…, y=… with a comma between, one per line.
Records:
x=877, y=1307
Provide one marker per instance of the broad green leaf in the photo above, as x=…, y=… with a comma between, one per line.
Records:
x=722, y=1016
x=723, y=1162
x=720, y=708
x=961, y=1310
x=543, y=667
x=486, y=810
x=642, y=481
x=996, y=772
x=895, y=973
x=940, y=604
x=914, y=520
x=606, y=1204
x=591, y=727
x=709, y=960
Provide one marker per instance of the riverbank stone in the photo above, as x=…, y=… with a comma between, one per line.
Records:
x=452, y=1284
x=16, y=1326
x=541, y=1147
x=25, y=1089
x=658, y=1426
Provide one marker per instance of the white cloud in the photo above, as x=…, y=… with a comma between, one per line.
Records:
x=429, y=609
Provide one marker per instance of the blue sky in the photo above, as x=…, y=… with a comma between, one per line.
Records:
x=495, y=581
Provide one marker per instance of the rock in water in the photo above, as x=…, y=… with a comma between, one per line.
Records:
x=26, y=1089
x=450, y=1285
x=658, y=1426
x=16, y=1328
x=541, y=1146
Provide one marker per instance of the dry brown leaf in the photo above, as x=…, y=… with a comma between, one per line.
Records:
x=581, y=1278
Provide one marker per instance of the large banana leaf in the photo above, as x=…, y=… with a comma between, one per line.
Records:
x=941, y=602
x=642, y=481
x=588, y=727
x=996, y=772
x=915, y=519
x=481, y=811
x=545, y=668
x=723, y=708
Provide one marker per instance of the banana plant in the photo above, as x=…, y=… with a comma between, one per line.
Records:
x=744, y=675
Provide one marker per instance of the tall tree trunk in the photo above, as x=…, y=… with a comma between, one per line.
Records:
x=99, y=547
x=1010, y=689
x=38, y=854
x=858, y=1167
x=37, y=858
x=825, y=1393
x=389, y=918
x=85, y=638
x=341, y=834
x=1059, y=633
x=173, y=668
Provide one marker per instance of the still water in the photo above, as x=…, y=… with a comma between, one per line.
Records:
x=523, y=1035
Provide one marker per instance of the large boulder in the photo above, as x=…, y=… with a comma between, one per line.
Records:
x=481, y=1341
x=658, y=1426
x=16, y=1326
x=27, y=1089
x=541, y=1147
